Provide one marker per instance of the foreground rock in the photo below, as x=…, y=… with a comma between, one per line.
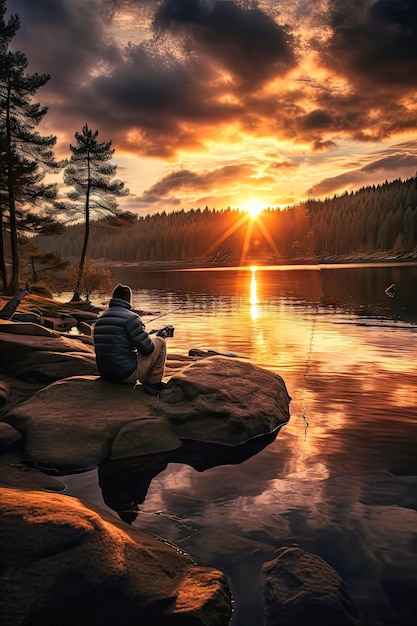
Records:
x=82, y=421
x=302, y=589
x=4, y=392
x=65, y=563
x=36, y=354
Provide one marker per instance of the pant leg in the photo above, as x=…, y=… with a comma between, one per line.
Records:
x=151, y=368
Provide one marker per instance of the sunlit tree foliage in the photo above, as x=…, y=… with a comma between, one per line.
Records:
x=94, y=188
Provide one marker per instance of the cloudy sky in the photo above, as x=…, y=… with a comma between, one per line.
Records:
x=231, y=102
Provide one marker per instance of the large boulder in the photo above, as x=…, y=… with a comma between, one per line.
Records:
x=225, y=400
x=82, y=421
x=46, y=366
x=4, y=392
x=302, y=589
x=9, y=437
x=36, y=354
x=67, y=563
x=26, y=328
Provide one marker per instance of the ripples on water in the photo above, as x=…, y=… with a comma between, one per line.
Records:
x=340, y=478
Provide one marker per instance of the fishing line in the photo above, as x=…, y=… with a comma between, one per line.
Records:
x=331, y=275
x=310, y=350
x=309, y=353
x=168, y=516
x=307, y=371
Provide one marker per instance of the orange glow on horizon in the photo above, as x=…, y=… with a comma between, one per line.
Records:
x=248, y=221
x=253, y=208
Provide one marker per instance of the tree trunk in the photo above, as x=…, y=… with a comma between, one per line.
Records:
x=3, y=268
x=14, y=282
x=34, y=274
x=77, y=291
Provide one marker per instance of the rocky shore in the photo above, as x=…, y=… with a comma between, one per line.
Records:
x=70, y=563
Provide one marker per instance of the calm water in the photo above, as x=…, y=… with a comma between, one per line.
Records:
x=340, y=480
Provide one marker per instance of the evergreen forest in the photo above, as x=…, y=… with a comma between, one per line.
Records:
x=376, y=219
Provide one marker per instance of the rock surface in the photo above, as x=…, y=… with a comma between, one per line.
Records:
x=9, y=437
x=302, y=589
x=82, y=420
x=58, y=554
x=67, y=563
x=4, y=392
x=36, y=354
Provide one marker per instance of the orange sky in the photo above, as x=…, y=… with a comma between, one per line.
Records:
x=225, y=103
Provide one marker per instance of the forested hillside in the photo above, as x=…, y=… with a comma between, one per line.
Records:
x=380, y=218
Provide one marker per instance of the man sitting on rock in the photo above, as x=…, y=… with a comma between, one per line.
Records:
x=124, y=351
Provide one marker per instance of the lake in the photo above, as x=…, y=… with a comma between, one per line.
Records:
x=340, y=479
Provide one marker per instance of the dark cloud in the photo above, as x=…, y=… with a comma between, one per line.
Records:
x=334, y=184
x=154, y=98
x=246, y=42
x=65, y=39
x=384, y=167
x=364, y=115
x=163, y=77
x=281, y=165
x=316, y=120
x=375, y=42
x=167, y=101
x=208, y=65
x=186, y=180
x=392, y=163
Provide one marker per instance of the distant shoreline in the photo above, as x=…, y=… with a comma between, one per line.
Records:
x=374, y=258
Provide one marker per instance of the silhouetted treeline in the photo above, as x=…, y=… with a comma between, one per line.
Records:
x=378, y=218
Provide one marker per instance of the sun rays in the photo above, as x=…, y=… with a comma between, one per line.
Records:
x=253, y=208
x=252, y=215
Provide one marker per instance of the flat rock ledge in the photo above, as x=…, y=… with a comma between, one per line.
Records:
x=67, y=563
x=80, y=421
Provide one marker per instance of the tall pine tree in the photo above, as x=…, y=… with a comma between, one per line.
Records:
x=25, y=155
x=7, y=32
x=94, y=192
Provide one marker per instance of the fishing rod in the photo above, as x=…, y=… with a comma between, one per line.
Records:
x=163, y=314
x=167, y=331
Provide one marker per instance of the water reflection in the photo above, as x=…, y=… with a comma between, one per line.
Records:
x=341, y=479
x=124, y=483
x=253, y=299
x=359, y=288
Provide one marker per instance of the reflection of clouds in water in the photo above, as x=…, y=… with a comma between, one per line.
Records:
x=405, y=394
x=224, y=483
x=344, y=486
x=366, y=543
x=347, y=347
x=315, y=471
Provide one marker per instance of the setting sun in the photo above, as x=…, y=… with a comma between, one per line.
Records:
x=253, y=208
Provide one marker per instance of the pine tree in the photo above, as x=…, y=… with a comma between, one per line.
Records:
x=7, y=32
x=90, y=173
x=25, y=155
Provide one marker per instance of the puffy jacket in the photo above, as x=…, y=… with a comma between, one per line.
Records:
x=119, y=336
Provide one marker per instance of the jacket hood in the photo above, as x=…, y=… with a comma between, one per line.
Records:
x=121, y=303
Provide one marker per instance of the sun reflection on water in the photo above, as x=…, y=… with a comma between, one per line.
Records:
x=253, y=299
